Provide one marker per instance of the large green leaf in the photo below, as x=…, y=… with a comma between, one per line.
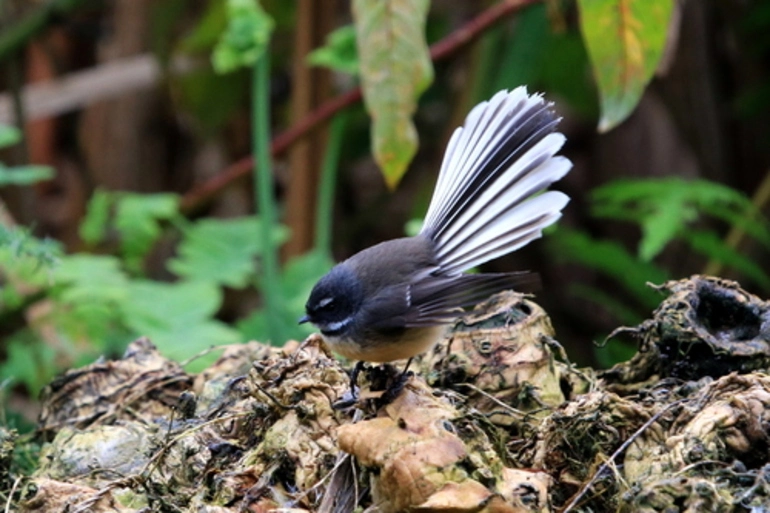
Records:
x=300, y=275
x=297, y=280
x=206, y=32
x=522, y=57
x=177, y=317
x=137, y=218
x=28, y=362
x=91, y=278
x=395, y=69
x=221, y=251
x=25, y=257
x=625, y=41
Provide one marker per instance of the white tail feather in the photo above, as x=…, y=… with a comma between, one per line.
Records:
x=530, y=174
x=471, y=143
x=488, y=200
x=523, y=225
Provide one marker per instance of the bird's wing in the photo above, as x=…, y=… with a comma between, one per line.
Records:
x=436, y=300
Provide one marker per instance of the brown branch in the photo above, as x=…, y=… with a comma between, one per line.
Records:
x=438, y=51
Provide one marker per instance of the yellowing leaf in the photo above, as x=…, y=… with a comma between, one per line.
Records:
x=395, y=69
x=625, y=41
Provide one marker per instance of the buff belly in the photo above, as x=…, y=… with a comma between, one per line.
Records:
x=411, y=343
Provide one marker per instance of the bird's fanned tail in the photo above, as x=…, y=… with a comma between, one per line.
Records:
x=489, y=197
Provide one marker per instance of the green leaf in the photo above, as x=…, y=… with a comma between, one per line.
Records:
x=750, y=220
x=29, y=362
x=137, y=218
x=26, y=263
x=178, y=317
x=94, y=225
x=253, y=326
x=565, y=73
x=339, y=53
x=300, y=275
x=665, y=208
x=297, y=280
x=625, y=41
x=395, y=69
x=222, y=251
x=24, y=175
x=91, y=328
x=91, y=278
x=413, y=227
x=707, y=243
x=19, y=243
x=9, y=135
x=663, y=225
x=611, y=259
x=247, y=35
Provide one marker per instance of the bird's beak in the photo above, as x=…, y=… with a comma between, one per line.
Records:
x=303, y=319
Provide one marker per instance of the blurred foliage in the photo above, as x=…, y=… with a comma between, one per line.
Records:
x=60, y=310
x=536, y=54
x=245, y=44
x=667, y=210
x=211, y=98
x=246, y=37
x=19, y=175
x=339, y=53
x=85, y=304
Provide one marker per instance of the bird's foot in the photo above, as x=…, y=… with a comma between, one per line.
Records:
x=350, y=398
x=394, y=388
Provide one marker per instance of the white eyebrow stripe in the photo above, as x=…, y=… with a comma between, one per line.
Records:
x=325, y=301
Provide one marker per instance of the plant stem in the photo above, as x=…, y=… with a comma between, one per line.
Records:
x=324, y=214
x=263, y=196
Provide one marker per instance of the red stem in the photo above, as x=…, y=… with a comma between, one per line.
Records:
x=438, y=51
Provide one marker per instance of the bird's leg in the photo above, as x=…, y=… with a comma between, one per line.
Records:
x=397, y=385
x=351, y=397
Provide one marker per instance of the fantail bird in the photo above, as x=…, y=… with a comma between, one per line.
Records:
x=395, y=299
